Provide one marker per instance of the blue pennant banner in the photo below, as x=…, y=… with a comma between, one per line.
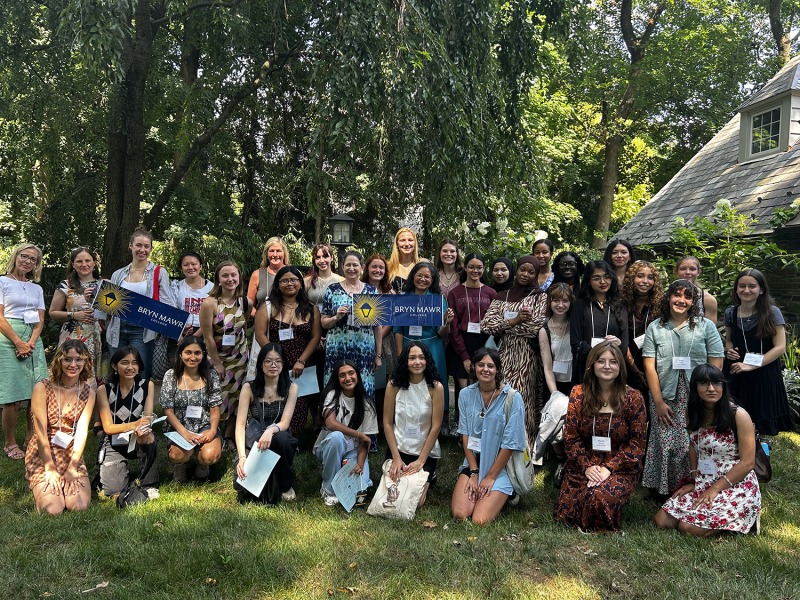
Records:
x=398, y=310
x=140, y=310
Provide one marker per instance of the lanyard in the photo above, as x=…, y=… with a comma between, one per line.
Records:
x=744, y=335
x=606, y=313
x=24, y=291
x=557, y=350
x=469, y=311
x=60, y=412
x=671, y=341
x=647, y=314
x=608, y=435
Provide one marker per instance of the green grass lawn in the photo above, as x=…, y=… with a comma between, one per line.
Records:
x=196, y=541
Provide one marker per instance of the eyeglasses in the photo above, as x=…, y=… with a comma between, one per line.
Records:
x=290, y=281
x=567, y=263
x=707, y=384
x=28, y=258
x=73, y=361
x=423, y=277
x=599, y=278
x=273, y=363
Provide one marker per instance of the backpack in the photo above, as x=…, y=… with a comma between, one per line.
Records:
x=520, y=465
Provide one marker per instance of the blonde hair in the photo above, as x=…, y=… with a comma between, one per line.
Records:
x=36, y=274
x=393, y=264
x=275, y=240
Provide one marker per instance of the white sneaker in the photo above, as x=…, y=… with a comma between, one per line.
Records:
x=152, y=493
x=328, y=498
x=288, y=495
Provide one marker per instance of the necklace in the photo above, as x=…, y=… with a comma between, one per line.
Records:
x=487, y=405
x=350, y=289
x=448, y=279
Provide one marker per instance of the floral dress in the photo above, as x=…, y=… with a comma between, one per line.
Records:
x=735, y=508
x=88, y=333
x=178, y=400
x=231, y=320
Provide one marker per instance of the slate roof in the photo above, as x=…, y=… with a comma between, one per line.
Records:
x=754, y=188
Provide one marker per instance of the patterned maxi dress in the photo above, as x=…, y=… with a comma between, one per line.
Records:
x=34, y=467
x=733, y=509
x=88, y=333
x=231, y=320
x=599, y=508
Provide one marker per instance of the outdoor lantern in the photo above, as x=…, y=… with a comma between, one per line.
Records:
x=342, y=230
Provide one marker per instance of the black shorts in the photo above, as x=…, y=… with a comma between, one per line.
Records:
x=429, y=465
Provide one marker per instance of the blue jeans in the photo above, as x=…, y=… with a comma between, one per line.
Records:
x=130, y=335
x=332, y=451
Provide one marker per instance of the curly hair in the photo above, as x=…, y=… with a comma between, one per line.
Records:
x=400, y=377
x=694, y=309
x=56, y=370
x=629, y=287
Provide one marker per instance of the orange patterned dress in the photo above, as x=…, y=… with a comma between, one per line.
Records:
x=34, y=467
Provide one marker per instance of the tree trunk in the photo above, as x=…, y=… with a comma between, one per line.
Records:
x=608, y=187
x=783, y=41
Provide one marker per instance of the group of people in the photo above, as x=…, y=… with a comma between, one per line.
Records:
x=597, y=349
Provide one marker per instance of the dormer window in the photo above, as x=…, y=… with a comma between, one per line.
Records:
x=765, y=130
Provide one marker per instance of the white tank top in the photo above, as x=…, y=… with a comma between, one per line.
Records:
x=413, y=410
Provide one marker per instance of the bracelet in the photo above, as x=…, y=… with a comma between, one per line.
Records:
x=693, y=471
x=473, y=472
x=70, y=315
x=276, y=425
x=725, y=477
x=302, y=362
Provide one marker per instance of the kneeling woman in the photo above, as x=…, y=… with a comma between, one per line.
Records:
x=266, y=407
x=190, y=396
x=489, y=438
x=724, y=494
x=62, y=408
x=349, y=417
x=125, y=404
x=604, y=438
x=412, y=415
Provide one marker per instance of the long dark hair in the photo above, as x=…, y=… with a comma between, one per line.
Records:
x=73, y=279
x=408, y=286
x=724, y=412
x=592, y=401
x=118, y=356
x=694, y=310
x=766, y=320
x=400, y=377
x=587, y=293
x=483, y=352
x=474, y=256
x=304, y=308
x=362, y=402
x=619, y=242
x=257, y=384
x=438, y=258
x=326, y=251
x=202, y=369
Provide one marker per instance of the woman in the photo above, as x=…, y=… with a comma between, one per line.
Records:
x=147, y=279
x=223, y=324
x=448, y=266
x=424, y=281
x=502, y=274
x=620, y=255
x=568, y=268
x=349, y=422
x=62, y=408
x=722, y=493
x=405, y=254
x=190, y=291
x=125, y=404
x=344, y=340
x=190, y=397
x=755, y=340
x=376, y=273
x=71, y=304
x=514, y=318
x=542, y=251
x=266, y=406
x=274, y=257
x=490, y=431
x=604, y=437
x=412, y=416
x=689, y=268
x=554, y=339
x=294, y=322
x=597, y=316
x=642, y=292
x=674, y=345
x=22, y=361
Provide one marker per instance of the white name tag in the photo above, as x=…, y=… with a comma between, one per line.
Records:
x=99, y=315
x=229, y=339
x=61, y=439
x=561, y=367
x=413, y=432
x=319, y=308
x=639, y=341
x=601, y=443
x=286, y=334
x=473, y=327
x=754, y=358
x=510, y=314
x=349, y=444
x=474, y=443
x=681, y=363
x=706, y=466
x=30, y=316
x=415, y=330
x=596, y=341
x=194, y=412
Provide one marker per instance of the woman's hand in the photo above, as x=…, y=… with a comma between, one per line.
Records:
x=298, y=369
x=471, y=488
x=740, y=367
x=597, y=475
x=266, y=438
x=83, y=316
x=23, y=349
x=449, y=316
x=53, y=482
x=683, y=490
x=220, y=371
x=413, y=467
x=664, y=413
x=364, y=438
x=342, y=311
x=706, y=497
x=396, y=470
x=144, y=437
x=377, y=362
x=485, y=487
x=193, y=438
x=614, y=340
x=732, y=354
x=240, y=468
x=73, y=481
x=468, y=366
x=525, y=315
x=358, y=469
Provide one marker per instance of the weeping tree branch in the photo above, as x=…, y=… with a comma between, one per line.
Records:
x=196, y=6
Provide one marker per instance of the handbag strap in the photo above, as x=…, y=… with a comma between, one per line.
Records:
x=509, y=400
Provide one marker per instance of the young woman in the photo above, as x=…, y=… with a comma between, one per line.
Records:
x=223, y=324
x=71, y=303
x=190, y=397
x=147, y=279
x=266, y=406
x=689, y=268
x=502, y=274
x=274, y=257
x=125, y=404
x=424, y=280
x=62, y=409
x=405, y=254
x=350, y=420
x=448, y=266
x=190, y=291
x=722, y=493
x=597, y=316
x=412, y=416
x=620, y=255
x=22, y=361
x=604, y=437
x=568, y=268
x=514, y=319
x=642, y=292
x=488, y=438
x=542, y=251
x=674, y=345
x=554, y=338
x=294, y=322
x=755, y=340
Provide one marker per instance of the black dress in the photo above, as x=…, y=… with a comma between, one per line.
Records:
x=587, y=321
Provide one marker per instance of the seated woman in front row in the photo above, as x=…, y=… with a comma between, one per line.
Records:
x=350, y=418
x=190, y=396
x=724, y=494
x=488, y=438
x=604, y=438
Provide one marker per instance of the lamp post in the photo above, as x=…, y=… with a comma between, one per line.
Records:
x=341, y=236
